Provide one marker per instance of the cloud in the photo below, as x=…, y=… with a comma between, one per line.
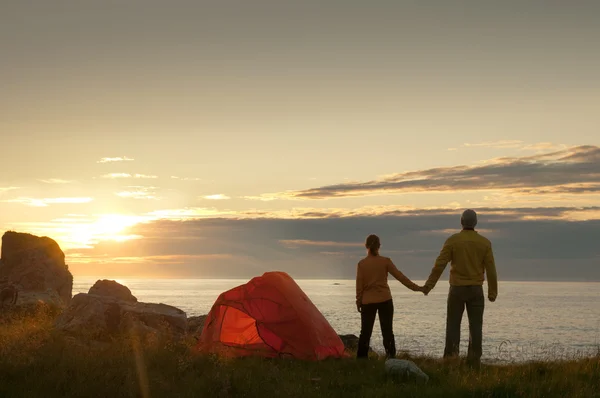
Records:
x=117, y=159
x=562, y=171
x=56, y=181
x=544, y=146
x=139, y=192
x=218, y=196
x=515, y=144
x=264, y=197
x=127, y=175
x=529, y=243
x=504, y=144
x=188, y=213
x=6, y=189
x=186, y=178
x=305, y=242
x=48, y=201
x=516, y=213
x=159, y=259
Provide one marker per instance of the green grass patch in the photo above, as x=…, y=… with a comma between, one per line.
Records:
x=36, y=361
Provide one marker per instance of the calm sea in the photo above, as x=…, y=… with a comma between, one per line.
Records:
x=529, y=321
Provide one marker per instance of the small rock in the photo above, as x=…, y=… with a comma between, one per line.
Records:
x=350, y=341
x=403, y=369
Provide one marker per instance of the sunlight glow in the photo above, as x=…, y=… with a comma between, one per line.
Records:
x=106, y=227
x=85, y=232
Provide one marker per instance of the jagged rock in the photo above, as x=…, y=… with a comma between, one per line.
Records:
x=114, y=289
x=101, y=317
x=196, y=324
x=35, y=267
x=402, y=369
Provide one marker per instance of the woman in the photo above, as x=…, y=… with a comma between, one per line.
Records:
x=373, y=296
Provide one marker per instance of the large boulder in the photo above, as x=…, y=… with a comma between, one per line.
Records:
x=113, y=289
x=34, y=267
x=100, y=316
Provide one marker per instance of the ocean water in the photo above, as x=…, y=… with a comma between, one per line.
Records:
x=529, y=321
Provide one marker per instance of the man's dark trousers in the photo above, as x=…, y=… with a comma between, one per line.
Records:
x=473, y=299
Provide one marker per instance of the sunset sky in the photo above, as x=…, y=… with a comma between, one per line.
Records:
x=223, y=139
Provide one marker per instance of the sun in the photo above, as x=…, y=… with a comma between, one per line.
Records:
x=113, y=224
x=105, y=227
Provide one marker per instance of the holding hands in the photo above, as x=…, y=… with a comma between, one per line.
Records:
x=423, y=289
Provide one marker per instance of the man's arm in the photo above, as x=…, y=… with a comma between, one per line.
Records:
x=402, y=278
x=359, y=287
x=440, y=265
x=492, y=276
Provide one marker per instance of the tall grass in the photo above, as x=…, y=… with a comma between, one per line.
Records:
x=36, y=361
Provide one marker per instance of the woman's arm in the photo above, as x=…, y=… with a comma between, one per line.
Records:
x=359, y=287
x=402, y=278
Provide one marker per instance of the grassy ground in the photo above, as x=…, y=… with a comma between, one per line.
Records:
x=37, y=362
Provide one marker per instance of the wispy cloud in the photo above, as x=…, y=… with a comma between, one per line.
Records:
x=185, y=178
x=218, y=196
x=127, y=175
x=44, y=202
x=163, y=260
x=267, y=197
x=574, y=170
x=189, y=213
x=117, y=159
x=308, y=213
x=321, y=243
x=6, y=189
x=56, y=181
x=544, y=146
x=515, y=144
x=139, y=192
x=504, y=144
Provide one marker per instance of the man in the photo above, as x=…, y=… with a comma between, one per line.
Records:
x=471, y=258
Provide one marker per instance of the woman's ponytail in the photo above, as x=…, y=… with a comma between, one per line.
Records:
x=373, y=244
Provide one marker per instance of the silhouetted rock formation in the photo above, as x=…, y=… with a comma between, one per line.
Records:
x=109, y=310
x=36, y=267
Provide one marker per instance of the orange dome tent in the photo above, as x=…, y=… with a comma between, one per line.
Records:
x=270, y=316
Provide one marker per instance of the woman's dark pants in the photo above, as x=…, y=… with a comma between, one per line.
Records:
x=367, y=320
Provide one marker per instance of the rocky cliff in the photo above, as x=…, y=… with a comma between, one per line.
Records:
x=35, y=267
